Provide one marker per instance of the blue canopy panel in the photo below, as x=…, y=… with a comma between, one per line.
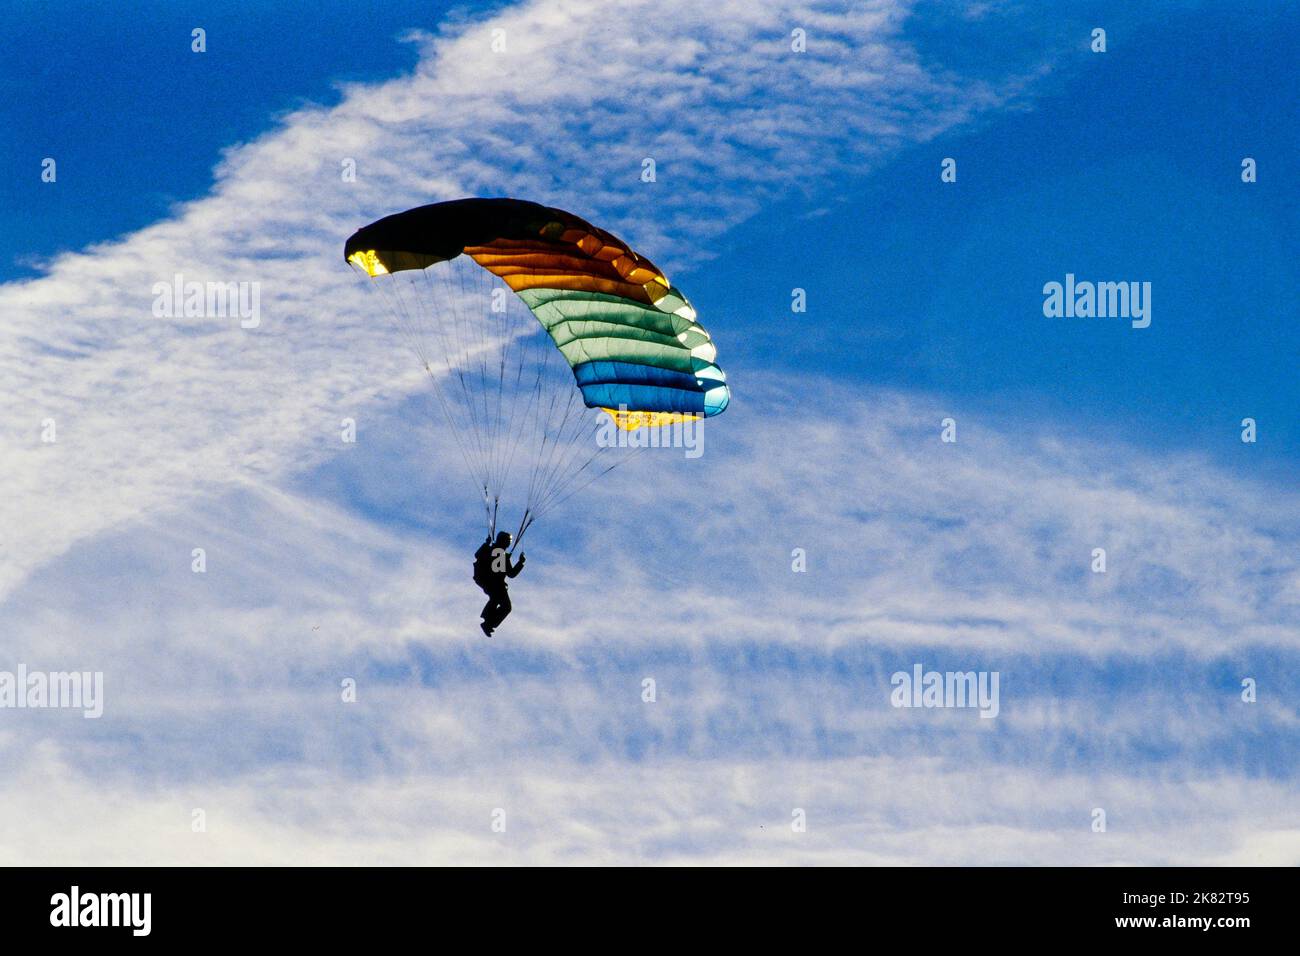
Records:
x=606, y=384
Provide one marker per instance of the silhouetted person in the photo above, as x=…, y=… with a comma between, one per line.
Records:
x=492, y=567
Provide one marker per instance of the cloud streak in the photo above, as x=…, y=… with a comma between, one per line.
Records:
x=772, y=686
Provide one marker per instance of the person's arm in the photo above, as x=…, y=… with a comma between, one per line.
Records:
x=519, y=566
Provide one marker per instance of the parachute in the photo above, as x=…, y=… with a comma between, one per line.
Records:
x=509, y=305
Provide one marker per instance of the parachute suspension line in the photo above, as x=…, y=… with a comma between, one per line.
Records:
x=499, y=390
x=535, y=352
x=479, y=472
x=568, y=483
x=468, y=311
x=560, y=468
x=487, y=328
x=477, y=313
x=514, y=427
x=410, y=325
x=473, y=461
x=408, y=329
x=451, y=351
x=524, y=524
x=539, y=357
x=556, y=502
x=531, y=423
x=564, y=428
x=520, y=419
x=460, y=354
x=549, y=418
x=561, y=450
x=559, y=472
x=510, y=350
x=573, y=450
x=563, y=473
x=568, y=474
x=493, y=334
x=459, y=306
x=545, y=453
x=459, y=273
x=515, y=435
x=503, y=424
x=406, y=325
x=551, y=439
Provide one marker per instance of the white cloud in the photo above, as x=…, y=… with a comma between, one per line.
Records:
x=772, y=686
x=859, y=811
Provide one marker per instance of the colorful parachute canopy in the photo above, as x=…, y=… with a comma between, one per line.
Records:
x=630, y=337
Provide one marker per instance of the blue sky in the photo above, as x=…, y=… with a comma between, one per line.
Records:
x=1150, y=167
x=818, y=171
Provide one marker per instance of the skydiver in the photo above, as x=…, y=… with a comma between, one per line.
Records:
x=492, y=566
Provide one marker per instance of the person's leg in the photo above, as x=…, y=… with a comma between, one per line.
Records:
x=498, y=608
x=490, y=612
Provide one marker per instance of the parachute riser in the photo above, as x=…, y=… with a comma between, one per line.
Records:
x=524, y=524
x=492, y=511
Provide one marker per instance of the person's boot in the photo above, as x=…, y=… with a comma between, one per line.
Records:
x=486, y=630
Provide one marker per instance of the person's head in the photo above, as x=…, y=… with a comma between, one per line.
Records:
x=503, y=539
